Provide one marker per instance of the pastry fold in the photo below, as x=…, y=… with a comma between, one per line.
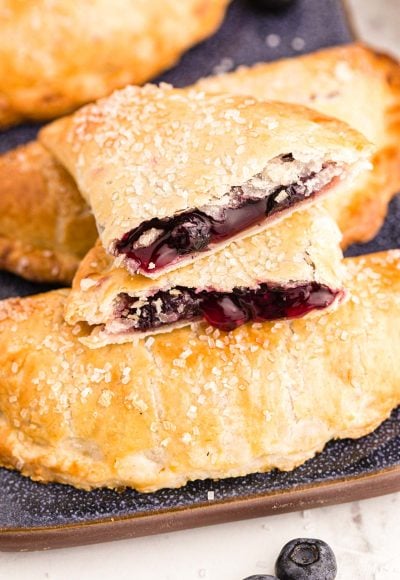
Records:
x=366, y=95
x=56, y=56
x=171, y=173
x=193, y=403
x=45, y=225
x=289, y=270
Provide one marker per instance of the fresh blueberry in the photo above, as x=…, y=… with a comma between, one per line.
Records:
x=191, y=233
x=261, y=577
x=306, y=559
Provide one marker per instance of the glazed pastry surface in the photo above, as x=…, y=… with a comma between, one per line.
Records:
x=45, y=225
x=195, y=404
x=301, y=250
x=56, y=55
x=145, y=157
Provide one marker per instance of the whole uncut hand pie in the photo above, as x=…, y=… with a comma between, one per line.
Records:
x=287, y=271
x=172, y=174
x=193, y=404
x=57, y=55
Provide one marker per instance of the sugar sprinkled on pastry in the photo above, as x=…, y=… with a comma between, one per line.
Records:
x=171, y=174
x=370, y=103
x=59, y=54
x=289, y=270
x=356, y=85
x=196, y=403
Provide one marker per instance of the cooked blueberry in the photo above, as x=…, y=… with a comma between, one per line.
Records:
x=306, y=559
x=288, y=158
x=224, y=311
x=162, y=308
x=191, y=233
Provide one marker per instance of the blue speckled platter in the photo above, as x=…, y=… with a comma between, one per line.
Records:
x=35, y=516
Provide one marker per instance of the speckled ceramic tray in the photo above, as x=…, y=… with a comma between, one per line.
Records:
x=35, y=516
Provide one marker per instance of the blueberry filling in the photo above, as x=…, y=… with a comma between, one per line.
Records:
x=223, y=310
x=156, y=243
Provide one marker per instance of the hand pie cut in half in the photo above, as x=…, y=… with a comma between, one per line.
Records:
x=188, y=405
x=356, y=85
x=287, y=271
x=171, y=174
x=351, y=83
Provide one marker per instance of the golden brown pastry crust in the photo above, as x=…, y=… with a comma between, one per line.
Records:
x=45, y=226
x=56, y=56
x=360, y=212
x=154, y=152
x=301, y=249
x=195, y=404
x=357, y=85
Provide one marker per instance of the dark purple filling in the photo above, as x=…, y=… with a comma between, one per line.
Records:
x=194, y=231
x=227, y=310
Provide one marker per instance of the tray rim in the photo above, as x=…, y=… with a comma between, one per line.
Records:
x=111, y=528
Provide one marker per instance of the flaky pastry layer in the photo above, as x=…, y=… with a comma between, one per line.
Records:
x=193, y=404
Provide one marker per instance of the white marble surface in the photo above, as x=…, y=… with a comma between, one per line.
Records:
x=378, y=22
x=364, y=535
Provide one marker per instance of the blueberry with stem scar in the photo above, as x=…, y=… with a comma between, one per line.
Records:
x=306, y=559
x=191, y=233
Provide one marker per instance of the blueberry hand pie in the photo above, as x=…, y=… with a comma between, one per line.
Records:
x=45, y=225
x=195, y=403
x=352, y=83
x=58, y=55
x=287, y=271
x=172, y=174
